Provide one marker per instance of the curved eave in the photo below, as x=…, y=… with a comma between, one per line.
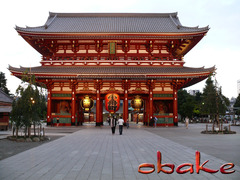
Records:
x=191, y=75
x=76, y=34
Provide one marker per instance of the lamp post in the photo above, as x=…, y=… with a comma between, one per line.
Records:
x=32, y=100
x=29, y=129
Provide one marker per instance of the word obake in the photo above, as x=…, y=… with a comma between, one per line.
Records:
x=183, y=168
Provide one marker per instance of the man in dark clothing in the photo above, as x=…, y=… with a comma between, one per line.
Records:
x=113, y=124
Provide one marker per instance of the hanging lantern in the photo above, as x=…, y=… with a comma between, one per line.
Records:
x=112, y=102
x=87, y=103
x=137, y=103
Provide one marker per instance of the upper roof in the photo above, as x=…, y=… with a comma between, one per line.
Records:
x=112, y=23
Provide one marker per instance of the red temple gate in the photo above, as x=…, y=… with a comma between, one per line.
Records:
x=125, y=54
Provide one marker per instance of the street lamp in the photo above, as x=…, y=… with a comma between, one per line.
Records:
x=32, y=100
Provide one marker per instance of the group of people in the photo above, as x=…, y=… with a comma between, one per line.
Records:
x=113, y=121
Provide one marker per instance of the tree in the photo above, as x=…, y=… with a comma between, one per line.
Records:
x=209, y=98
x=214, y=102
x=185, y=104
x=3, y=83
x=29, y=106
x=197, y=104
x=237, y=105
x=16, y=115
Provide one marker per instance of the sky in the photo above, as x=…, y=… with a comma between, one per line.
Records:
x=219, y=48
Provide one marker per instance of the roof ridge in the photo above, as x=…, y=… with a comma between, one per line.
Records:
x=112, y=14
x=178, y=26
x=47, y=24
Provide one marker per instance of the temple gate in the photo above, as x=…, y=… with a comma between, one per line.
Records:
x=129, y=54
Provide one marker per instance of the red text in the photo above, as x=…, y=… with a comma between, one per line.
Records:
x=184, y=168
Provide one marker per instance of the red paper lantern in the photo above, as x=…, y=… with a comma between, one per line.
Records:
x=112, y=102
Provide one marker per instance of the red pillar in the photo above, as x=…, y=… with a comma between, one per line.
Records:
x=73, y=114
x=101, y=111
x=151, y=86
x=77, y=112
x=98, y=108
x=146, y=112
x=175, y=110
x=150, y=103
x=49, y=105
x=125, y=105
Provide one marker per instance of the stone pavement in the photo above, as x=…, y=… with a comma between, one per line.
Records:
x=94, y=153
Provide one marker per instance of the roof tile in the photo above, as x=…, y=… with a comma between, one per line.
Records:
x=112, y=23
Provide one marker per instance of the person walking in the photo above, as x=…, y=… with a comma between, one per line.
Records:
x=120, y=123
x=112, y=124
x=127, y=122
x=187, y=122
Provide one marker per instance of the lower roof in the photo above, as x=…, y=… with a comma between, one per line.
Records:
x=5, y=109
x=5, y=98
x=116, y=72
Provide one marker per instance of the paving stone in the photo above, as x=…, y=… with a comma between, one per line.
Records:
x=94, y=153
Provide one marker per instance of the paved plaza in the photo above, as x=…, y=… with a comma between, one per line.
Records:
x=94, y=153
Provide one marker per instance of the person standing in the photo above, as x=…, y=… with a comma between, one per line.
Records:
x=112, y=124
x=120, y=122
x=137, y=118
x=108, y=120
x=155, y=121
x=187, y=122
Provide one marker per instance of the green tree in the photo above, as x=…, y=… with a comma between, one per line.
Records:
x=29, y=105
x=16, y=115
x=237, y=105
x=214, y=102
x=209, y=99
x=185, y=104
x=3, y=83
x=197, y=104
x=223, y=102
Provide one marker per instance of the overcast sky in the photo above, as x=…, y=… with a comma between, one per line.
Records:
x=221, y=46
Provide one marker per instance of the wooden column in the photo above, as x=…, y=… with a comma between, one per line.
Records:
x=151, y=85
x=73, y=113
x=77, y=112
x=101, y=111
x=125, y=85
x=146, y=112
x=175, y=110
x=98, y=108
x=150, y=103
x=49, y=105
x=98, y=84
x=125, y=105
x=49, y=85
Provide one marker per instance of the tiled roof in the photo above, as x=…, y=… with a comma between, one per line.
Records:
x=5, y=109
x=4, y=97
x=114, y=72
x=112, y=23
